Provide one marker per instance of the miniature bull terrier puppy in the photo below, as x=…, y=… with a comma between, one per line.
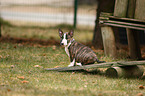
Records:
x=79, y=54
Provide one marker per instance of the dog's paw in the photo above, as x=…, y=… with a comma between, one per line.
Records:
x=70, y=65
x=78, y=64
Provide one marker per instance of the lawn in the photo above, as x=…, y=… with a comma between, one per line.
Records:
x=22, y=68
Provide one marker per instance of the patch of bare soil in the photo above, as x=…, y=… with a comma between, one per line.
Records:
x=31, y=41
x=52, y=41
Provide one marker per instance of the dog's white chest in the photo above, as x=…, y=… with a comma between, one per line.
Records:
x=67, y=51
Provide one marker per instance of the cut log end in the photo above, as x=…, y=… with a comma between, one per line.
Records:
x=126, y=72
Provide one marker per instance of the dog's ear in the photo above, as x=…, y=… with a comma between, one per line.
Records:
x=71, y=32
x=60, y=32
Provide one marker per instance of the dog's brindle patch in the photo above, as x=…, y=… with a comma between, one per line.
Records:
x=77, y=52
x=81, y=53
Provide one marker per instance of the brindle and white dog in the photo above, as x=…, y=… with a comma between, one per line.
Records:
x=78, y=53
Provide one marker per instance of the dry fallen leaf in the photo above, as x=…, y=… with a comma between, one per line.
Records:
x=99, y=94
x=141, y=87
x=9, y=90
x=73, y=72
x=1, y=56
x=29, y=72
x=85, y=86
x=21, y=77
x=43, y=54
x=12, y=66
x=56, y=67
x=139, y=94
x=54, y=47
x=37, y=66
x=15, y=46
x=24, y=81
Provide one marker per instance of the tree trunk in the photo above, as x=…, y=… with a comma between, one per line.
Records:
x=103, y=6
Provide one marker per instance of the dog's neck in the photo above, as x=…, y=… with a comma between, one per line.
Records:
x=70, y=43
x=67, y=47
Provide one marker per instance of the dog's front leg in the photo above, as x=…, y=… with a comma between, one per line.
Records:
x=72, y=63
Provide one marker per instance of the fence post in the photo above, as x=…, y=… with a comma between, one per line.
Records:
x=0, y=26
x=75, y=12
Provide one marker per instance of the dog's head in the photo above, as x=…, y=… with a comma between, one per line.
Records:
x=65, y=37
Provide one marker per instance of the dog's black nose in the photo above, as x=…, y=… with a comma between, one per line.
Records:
x=61, y=43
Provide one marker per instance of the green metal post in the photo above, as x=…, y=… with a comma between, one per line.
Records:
x=0, y=27
x=75, y=12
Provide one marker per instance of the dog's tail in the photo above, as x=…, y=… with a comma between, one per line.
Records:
x=98, y=61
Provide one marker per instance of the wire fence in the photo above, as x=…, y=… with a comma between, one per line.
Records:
x=48, y=11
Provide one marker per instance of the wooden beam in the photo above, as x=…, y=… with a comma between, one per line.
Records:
x=133, y=44
x=126, y=19
x=140, y=10
x=109, y=41
x=123, y=22
x=133, y=35
x=101, y=65
x=108, y=37
x=131, y=8
x=120, y=9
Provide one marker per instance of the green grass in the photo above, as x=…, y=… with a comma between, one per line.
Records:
x=18, y=60
x=44, y=83
x=48, y=32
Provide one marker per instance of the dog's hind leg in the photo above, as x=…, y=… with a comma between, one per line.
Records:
x=72, y=63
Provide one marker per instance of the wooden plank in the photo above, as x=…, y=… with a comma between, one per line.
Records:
x=140, y=10
x=131, y=8
x=123, y=22
x=120, y=9
x=101, y=65
x=126, y=19
x=125, y=26
x=133, y=44
x=126, y=23
x=109, y=39
x=133, y=36
x=74, y=68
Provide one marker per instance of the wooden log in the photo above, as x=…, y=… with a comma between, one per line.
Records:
x=140, y=10
x=125, y=72
x=120, y=9
x=108, y=41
